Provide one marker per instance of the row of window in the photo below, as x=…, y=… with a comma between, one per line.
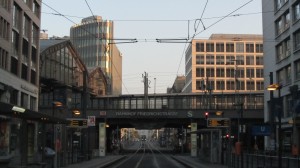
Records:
x=230, y=60
x=229, y=72
x=239, y=47
x=229, y=85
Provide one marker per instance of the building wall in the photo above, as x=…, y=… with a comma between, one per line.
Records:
x=281, y=30
x=116, y=69
x=19, y=60
x=212, y=64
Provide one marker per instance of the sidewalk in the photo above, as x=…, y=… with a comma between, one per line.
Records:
x=195, y=162
x=97, y=162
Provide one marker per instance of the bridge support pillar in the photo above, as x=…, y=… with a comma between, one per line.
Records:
x=194, y=139
x=102, y=139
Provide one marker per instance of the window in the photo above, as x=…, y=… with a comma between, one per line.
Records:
x=250, y=73
x=259, y=48
x=220, y=60
x=16, y=17
x=199, y=72
x=210, y=72
x=230, y=72
x=259, y=73
x=35, y=34
x=3, y=58
x=249, y=60
x=240, y=85
x=4, y=29
x=240, y=60
x=210, y=85
x=282, y=23
x=24, y=72
x=199, y=47
x=33, y=77
x=25, y=51
x=200, y=85
x=24, y=100
x=239, y=47
x=26, y=26
x=240, y=73
x=296, y=11
x=279, y=4
x=259, y=60
x=15, y=42
x=210, y=60
x=36, y=9
x=297, y=70
x=220, y=72
x=5, y=4
x=260, y=85
x=280, y=76
x=210, y=47
x=220, y=85
x=33, y=103
x=288, y=74
x=250, y=85
x=230, y=60
x=219, y=47
x=229, y=47
x=200, y=59
x=249, y=47
x=297, y=40
x=14, y=65
x=230, y=85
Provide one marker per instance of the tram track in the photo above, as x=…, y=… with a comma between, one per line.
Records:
x=147, y=156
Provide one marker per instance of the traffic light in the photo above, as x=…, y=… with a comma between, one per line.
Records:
x=227, y=136
x=206, y=115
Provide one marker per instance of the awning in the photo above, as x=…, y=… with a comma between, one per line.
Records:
x=6, y=109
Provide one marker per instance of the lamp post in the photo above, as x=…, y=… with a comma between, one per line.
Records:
x=278, y=109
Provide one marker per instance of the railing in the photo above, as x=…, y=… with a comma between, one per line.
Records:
x=257, y=160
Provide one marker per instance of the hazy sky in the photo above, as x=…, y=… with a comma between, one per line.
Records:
x=147, y=21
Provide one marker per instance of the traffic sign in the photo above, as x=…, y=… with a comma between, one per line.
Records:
x=218, y=122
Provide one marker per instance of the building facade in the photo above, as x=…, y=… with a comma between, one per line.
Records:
x=93, y=39
x=281, y=34
x=225, y=63
x=19, y=81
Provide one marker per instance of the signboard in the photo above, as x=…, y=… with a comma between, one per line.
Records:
x=91, y=121
x=78, y=123
x=218, y=122
x=262, y=130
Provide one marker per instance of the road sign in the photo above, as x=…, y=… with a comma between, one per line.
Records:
x=218, y=122
x=263, y=130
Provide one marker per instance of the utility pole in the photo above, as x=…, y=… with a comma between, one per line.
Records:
x=146, y=86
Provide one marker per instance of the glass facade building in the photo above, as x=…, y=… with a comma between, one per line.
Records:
x=93, y=39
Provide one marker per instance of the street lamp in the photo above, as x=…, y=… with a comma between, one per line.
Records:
x=278, y=108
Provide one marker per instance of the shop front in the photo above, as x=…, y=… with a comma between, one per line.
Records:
x=23, y=136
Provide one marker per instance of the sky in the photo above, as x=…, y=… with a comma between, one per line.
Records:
x=147, y=21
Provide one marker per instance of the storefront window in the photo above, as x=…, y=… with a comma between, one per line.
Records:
x=4, y=137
